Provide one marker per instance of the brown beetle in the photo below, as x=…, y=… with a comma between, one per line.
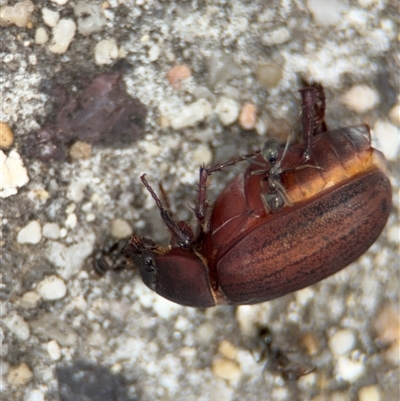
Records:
x=297, y=215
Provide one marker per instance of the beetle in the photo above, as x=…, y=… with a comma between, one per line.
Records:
x=298, y=214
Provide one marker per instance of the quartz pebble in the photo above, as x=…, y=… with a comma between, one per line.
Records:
x=176, y=75
x=19, y=14
x=394, y=115
x=52, y=288
x=349, y=370
x=30, y=234
x=188, y=116
x=360, y=98
x=276, y=37
x=13, y=174
x=327, y=13
x=50, y=17
x=154, y=53
x=51, y=230
x=342, y=342
x=17, y=326
x=227, y=110
x=30, y=300
x=248, y=116
x=34, y=395
x=388, y=138
x=202, y=155
x=105, y=52
x=53, y=350
x=226, y=369
x=41, y=36
x=63, y=33
x=80, y=150
x=90, y=17
x=369, y=393
x=120, y=229
x=19, y=375
x=60, y=2
x=76, y=191
x=269, y=75
x=6, y=136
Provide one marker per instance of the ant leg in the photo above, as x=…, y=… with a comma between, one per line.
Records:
x=183, y=237
x=200, y=209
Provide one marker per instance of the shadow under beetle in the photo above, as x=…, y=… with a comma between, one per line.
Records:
x=297, y=215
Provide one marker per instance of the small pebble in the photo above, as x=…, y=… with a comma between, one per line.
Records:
x=154, y=53
x=205, y=333
x=367, y=3
x=394, y=115
x=269, y=75
x=90, y=17
x=342, y=342
x=30, y=300
x=17, y=326
x=19, y=375
x=227, y=349
x=311, y=343
x=349, y=370
x=248, y=116
x=176, y=75
x=60, y=2
x=226, y=369
x=360, y=98
x=30, y=234
x=13, y=174
x=51, y=288
x=63, y=33
x=388, y=138
x=53, y=350
x=227, y=110
x=276, y=37
x=80, y=150
x=191, y=115
x=105, y=52
x=6, y=136
x=369, y=393
x=51, y=230
x=18, y=14
x=327, y=13
x=120, y=229
x=34, y=395
x=202, y=155
x=71, y=221
x=76, y=192
x=50, y=17
x=41, y=36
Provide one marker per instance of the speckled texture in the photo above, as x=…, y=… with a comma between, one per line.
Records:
x=137, y=345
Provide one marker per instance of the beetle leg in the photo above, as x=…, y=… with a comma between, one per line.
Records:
x=183, y=238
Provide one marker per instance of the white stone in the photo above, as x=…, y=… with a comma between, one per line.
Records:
x=41, y=36
x=30, y=300
x=63, y=33
x=34, y=395
x=13, y=174
x=304, y=296
x=327, y=12
x=349, y=370
x=17, y=325
x=276, y=37
x=105, y=52
x=90, y=17
x=71, y=221
x=53, y=350
x=369, y=393
x=51, y=230
x=394, y=115
x=227, y=110
x=191, y=115
x=52, y=288
x=69, y=260
x=360, y=98
x=388, y=138
x=367, y=3
x=154, y=53
x=30, y=234
x=202, y=155
x=18, y=14
x=60, y=2
x=342, y=342
x=120, y=229
x=50, y=17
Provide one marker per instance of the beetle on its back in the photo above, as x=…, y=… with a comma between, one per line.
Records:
x=296, y=216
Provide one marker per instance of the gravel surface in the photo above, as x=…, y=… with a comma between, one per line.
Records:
x=217, y=78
